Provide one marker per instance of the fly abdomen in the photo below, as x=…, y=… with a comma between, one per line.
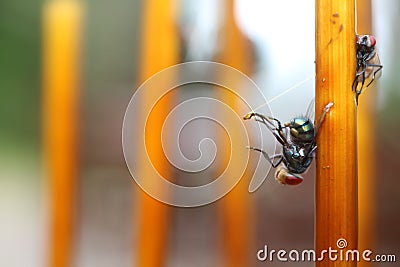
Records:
x=296, y=158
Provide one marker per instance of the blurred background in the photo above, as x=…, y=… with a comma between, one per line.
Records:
x=66, y=195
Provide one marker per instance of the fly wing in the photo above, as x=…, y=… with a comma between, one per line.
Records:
x=374, y=69
x=260, y=174
x=377, y=62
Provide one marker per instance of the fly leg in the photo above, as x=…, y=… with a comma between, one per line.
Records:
x=312, y=151
x=263, y=119
x=358, y=91
x=360, y=66
x=269, y=158
x=267, y=121
x=322, y=118
x=313, y=147
x=356, y=81
x=379, y=68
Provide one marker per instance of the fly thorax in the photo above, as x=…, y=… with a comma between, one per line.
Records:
x=301, y=130
x=294, y=152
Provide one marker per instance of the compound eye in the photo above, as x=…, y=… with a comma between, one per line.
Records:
x=372, y=40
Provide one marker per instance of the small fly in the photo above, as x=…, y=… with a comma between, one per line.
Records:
x=368, y=63
x=298, y=140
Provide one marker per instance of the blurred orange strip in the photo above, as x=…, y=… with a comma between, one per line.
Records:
x=159, y=49
x=62, y=23
x=236, y=207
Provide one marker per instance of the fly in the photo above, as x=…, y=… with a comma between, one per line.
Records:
x=368, y=63
x=298, y=140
